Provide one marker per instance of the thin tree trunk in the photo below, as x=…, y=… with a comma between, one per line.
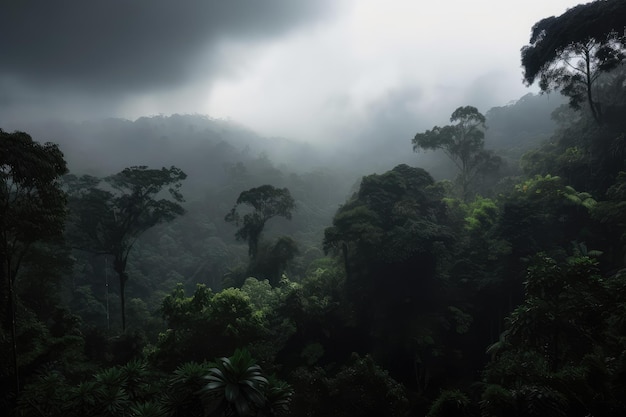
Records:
x=5, y=269
x=592, y=106
x=122, y=276
x=346, y=262
x=119, y=264
x=465, y=180
x=14, y=339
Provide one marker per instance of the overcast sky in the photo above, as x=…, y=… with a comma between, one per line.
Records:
x=316, y=70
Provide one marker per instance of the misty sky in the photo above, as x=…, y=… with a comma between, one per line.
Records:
x=317, y=70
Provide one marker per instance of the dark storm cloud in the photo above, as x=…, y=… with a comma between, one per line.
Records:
x=131, y=46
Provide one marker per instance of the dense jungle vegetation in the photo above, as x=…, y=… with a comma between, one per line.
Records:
x=258, y=277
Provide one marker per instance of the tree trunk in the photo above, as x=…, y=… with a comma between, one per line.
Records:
x=5, y=276
x=588, y=81
x=346, y=261
x=123, y=279
x=553, y=352
x=119, y=264
x=465, y=175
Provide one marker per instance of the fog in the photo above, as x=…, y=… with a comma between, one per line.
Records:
x=321, y=72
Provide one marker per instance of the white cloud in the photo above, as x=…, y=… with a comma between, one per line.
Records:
x=319, y=83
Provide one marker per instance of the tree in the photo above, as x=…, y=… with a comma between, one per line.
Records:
x=362, y=387
x=572, y=51
x=32, y=209
x=206, y=325
x=562, y=314
x=108, y=221
x=451, y=402
x=272, y=259
x=267, y=202
x=394, y=235
x=562, y=352
x=463, y=142
x=237, y=386
x=611, y=213
x=544, y=214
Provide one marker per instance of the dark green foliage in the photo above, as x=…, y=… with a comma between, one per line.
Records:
x=272, y=259
x=149, y=409
x=361, y=388
x=309, y=320
x=125, y=347
x=205, y=325
x=554, y=357
x=185, y=337
x=552, y=316
x=43, y=273
x=33, y=204
x=587, y=156
x=450, y=403
x=110, y=392
x=572, y=51
x=389, y=210
x=393, y=219
x=497, y=401
x=539, y=401
x=48, y=395
x=393, y=235
x=40, y=343
x=278, y=396
x=544, y=214
x=183, y=393
x=237, y=387
x=611, y=213
x=32, y=209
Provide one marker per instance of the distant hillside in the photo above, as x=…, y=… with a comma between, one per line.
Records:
x=522, y=125
x=205, y=147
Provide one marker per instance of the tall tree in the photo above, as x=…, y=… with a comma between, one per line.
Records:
x=572, y=51
x=393, y=234
x=32, y=209
x=109, y=219
x=267, y=202
x=463, y=142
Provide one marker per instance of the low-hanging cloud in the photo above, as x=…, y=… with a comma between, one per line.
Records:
x=322, y=71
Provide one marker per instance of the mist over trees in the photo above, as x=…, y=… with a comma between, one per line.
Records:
x=463, y=142
x=266, y=277
x=110, y=221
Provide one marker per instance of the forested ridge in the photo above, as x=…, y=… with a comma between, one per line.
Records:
x=185, y=266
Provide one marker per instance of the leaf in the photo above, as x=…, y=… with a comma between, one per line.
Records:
x=231, y=392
